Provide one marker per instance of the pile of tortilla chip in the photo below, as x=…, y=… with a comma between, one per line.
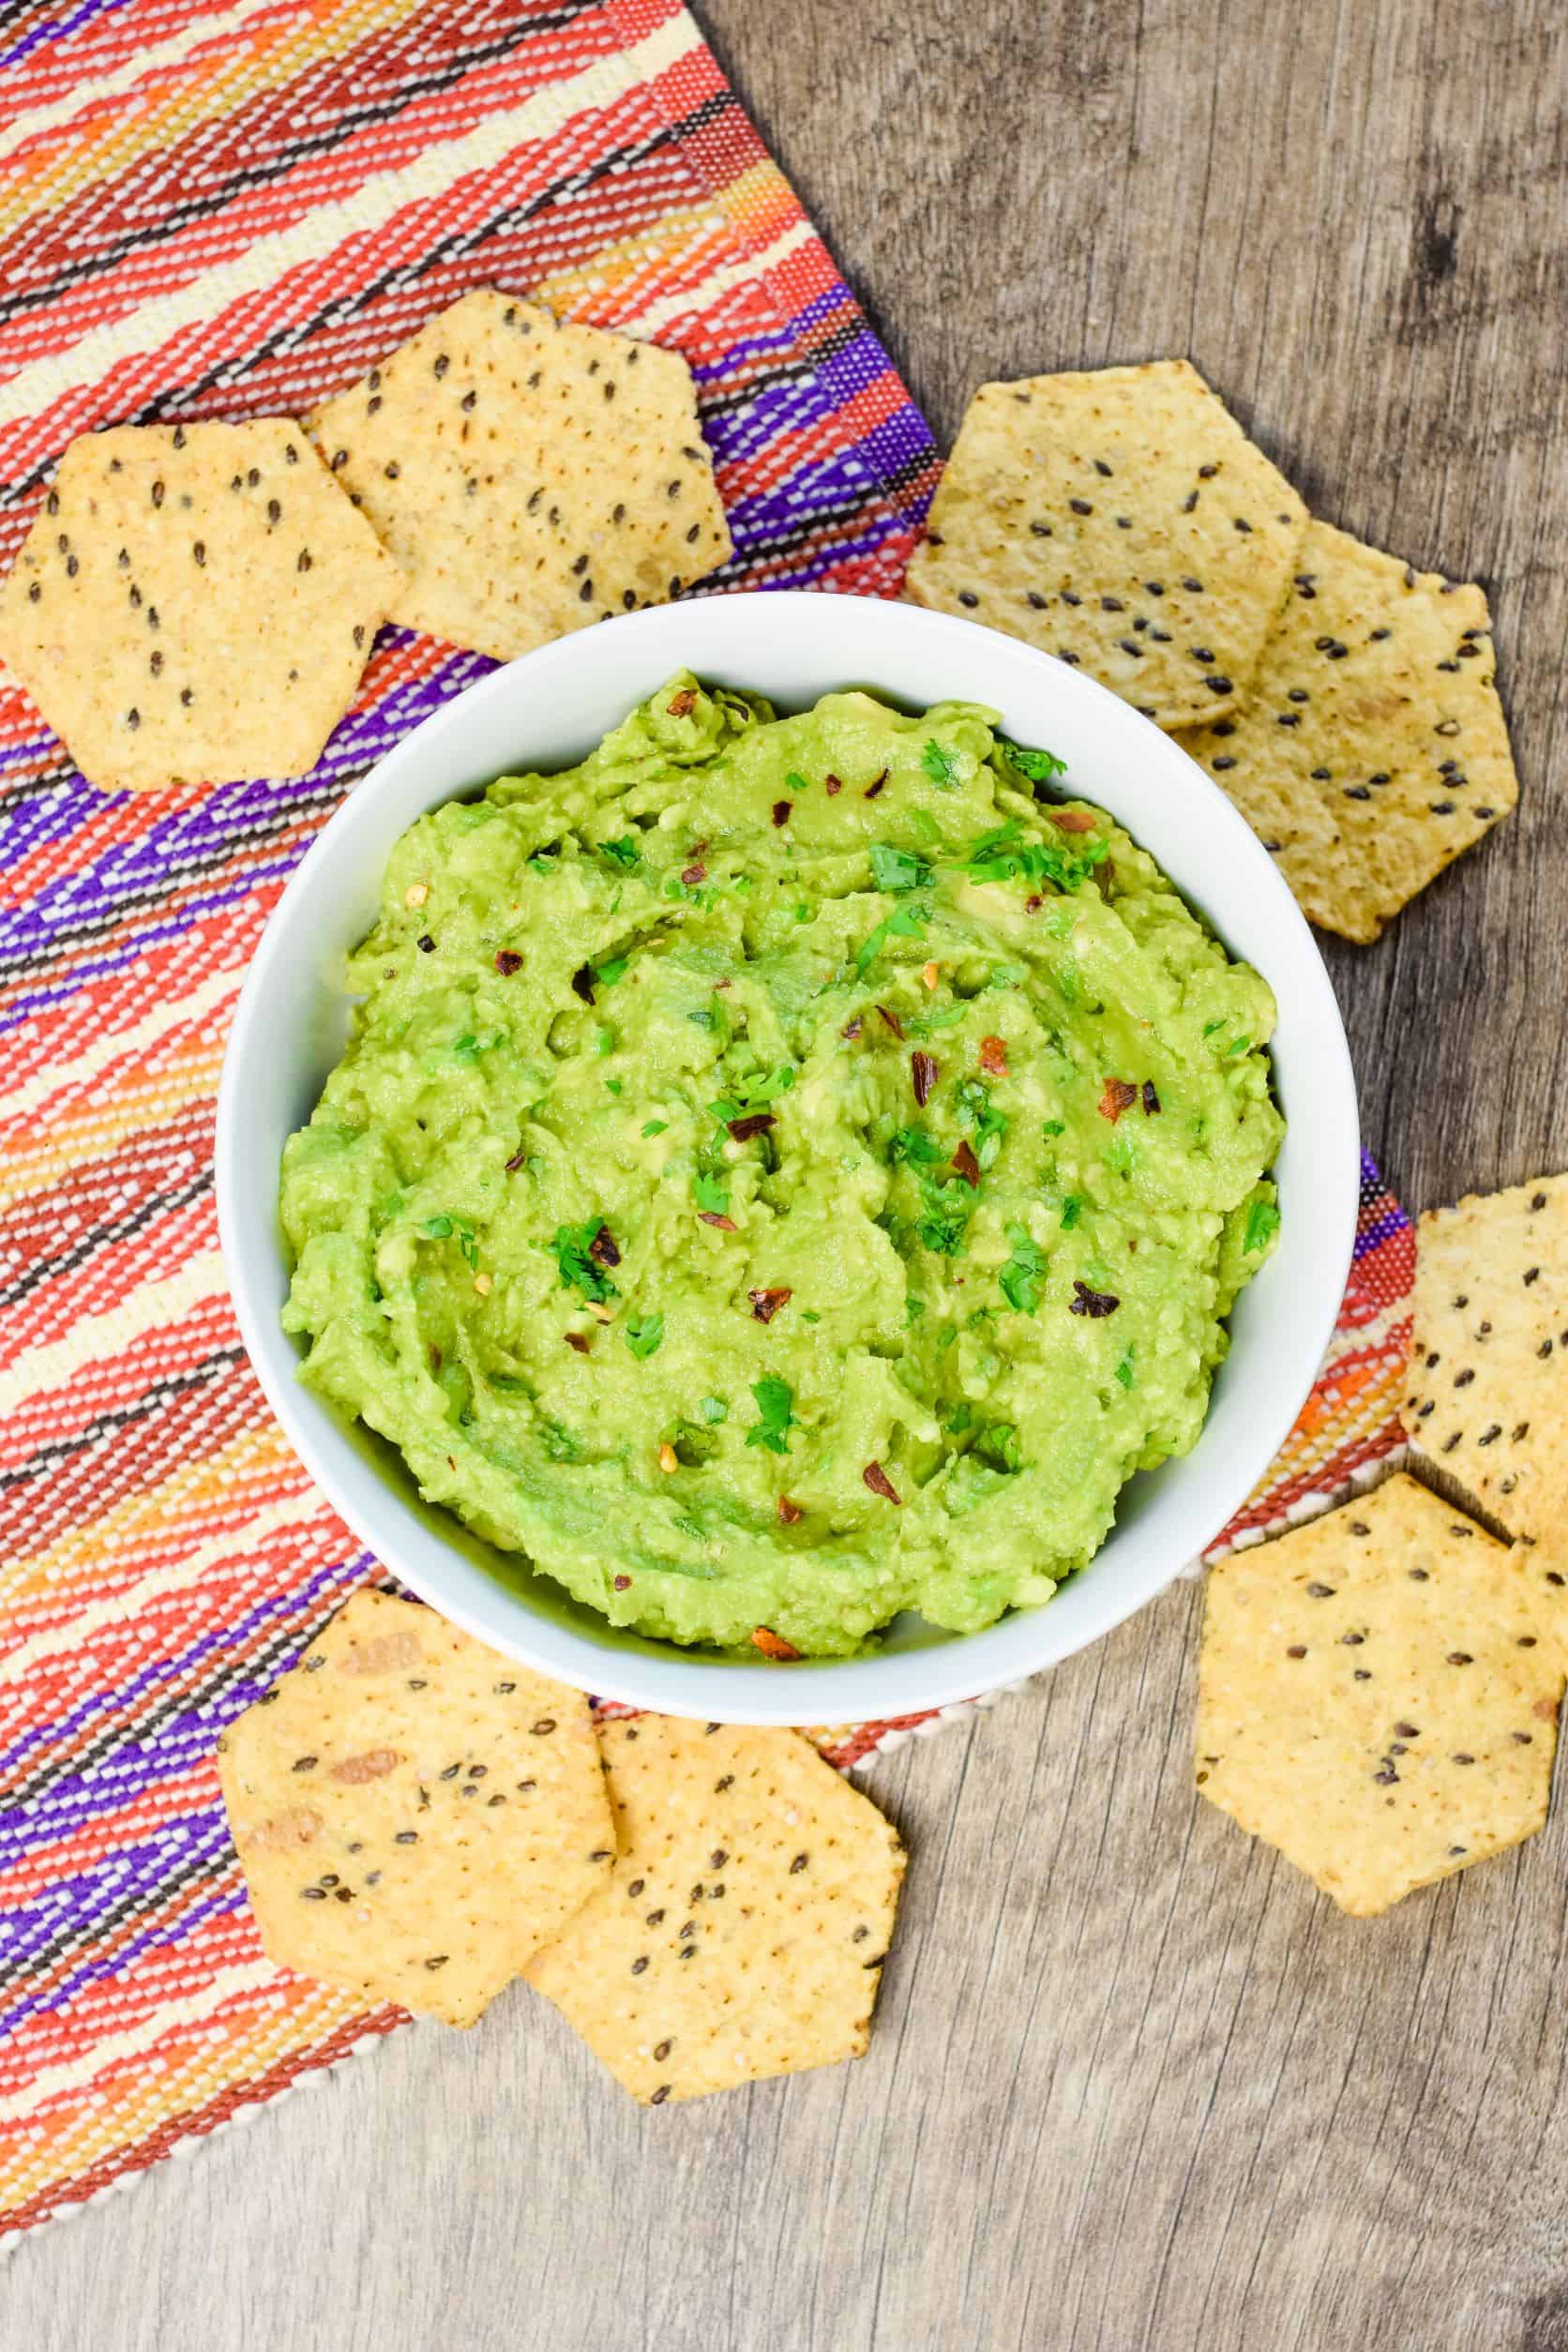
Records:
x=421, y=1819
x=195, y=603
x=1378, y=1689
x=1123, y=521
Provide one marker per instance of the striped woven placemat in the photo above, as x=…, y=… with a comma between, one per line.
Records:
x=229, y=212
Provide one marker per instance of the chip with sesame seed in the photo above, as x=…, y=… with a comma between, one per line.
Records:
x=1487, y=1396
x=414, y=1813
x=1375, y=1698
x=1123, y=521
x=743, y=1929
x=1371, y=747
x=193, y=604
x=530, y=475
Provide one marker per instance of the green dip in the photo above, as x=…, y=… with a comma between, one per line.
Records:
x=784, y=1172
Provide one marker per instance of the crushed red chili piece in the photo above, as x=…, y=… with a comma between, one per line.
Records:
x=582, y=982
x=892, y=1019
x=1119, y=1097
x=692, y=875
x=507, y=960
x=781, y=812
x=622, y=1583
x=578, y=1340
x=711, y=1216
x=515, y=1161
x=1033, y=905
x=1073, y=820
x=966, y=1163
x=993, y=1056
x=788, y=1512
x=766, y=1304
x=755, y=1123
x=851, y=1028
x=878, y=1480
x=680, y=705
x=924, y=1071
x=1150, y=1100
x=772, y=1645
x=1095, y=1303
x=876, y=784
x=835, y=784
x=602, y=1249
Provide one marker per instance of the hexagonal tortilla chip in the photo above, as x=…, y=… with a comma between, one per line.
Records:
x=1375, y=1698
x=1121, y=521
x=1487, y=1398
x=414, y=1813
x=530, y=475
x=742, y=1930
x=1370, y=748
x=193, y=603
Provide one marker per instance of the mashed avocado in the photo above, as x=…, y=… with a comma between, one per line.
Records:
x=784, y=1170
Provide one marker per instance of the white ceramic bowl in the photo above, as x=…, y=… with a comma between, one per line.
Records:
x=547, y=710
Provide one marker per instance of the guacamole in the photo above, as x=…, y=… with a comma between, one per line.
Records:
x=784, y=1172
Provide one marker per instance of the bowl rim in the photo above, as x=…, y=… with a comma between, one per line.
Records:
x=889, y=1683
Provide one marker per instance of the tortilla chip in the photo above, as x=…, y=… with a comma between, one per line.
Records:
x=1371, y=747
x=530, y=477
x=194, y=603
x=1374, y=1697
x=415, y=1813
x=742, y=1930
x=1121, y=521
x=1488, y=1393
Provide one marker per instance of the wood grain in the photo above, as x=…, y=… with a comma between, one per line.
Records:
x=1133, y=2083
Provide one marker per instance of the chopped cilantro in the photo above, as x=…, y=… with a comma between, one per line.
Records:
x=898, y=869
x=923, y=822
x=613, y=1085
x=947, y=1212
x=711, y=1408
x=643, y=1333
x=607, y=975
x=928, y=1024
x=1072, y=1208
x=438, y=1229
x=604, y=1040
x=940, y=765
x=803, y=914
x=442, y=1229
x=999, y=1446
x=1053, y=1126
x=810, y=1315
x=1004, y=855
x=655, y=1126
x=467, y=1048
x=1237, y=1045
x=959, y=1417
x=703, y=1016
x=1039, y=766
x=577, y=1268
x=1211, y=1029
x=795, y=781
x=1124, y=1370
x=913, y=1309
x=1121, y=1152
x=1262, y=1224
x=1021, y=1276
x=978, y=1114
x=712, y=1195
x=904, y=922
x=776, y=1403
x=915, y=1146
x=625, y=851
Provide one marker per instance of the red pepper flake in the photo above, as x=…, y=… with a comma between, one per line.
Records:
x=1033, y=905
x=681, y=705
x=878, y=1480
x=892, y=1019
x=582, y=982
x=781, y=812
x=788, y=1512
x=1150, y=1100
x=711, y=1216
x=507, y=960
x=578, y=1340
x=602, y=1249
x=755, y=1123
x=993, y=1056
x=834, y=786
x=435, y=1359
x=622, y=1584
x=692, y=875
x=1095, y=1303
x=1119, y=1097
x=966, y=1164
x=876, y=784
x=851, y=1028
x=516, y=1161
x=1072, y=820
x=924, y=1071
x=766, y=1304
x=772, y=1645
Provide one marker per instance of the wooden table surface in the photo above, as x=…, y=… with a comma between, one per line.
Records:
x=1132, y=2083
